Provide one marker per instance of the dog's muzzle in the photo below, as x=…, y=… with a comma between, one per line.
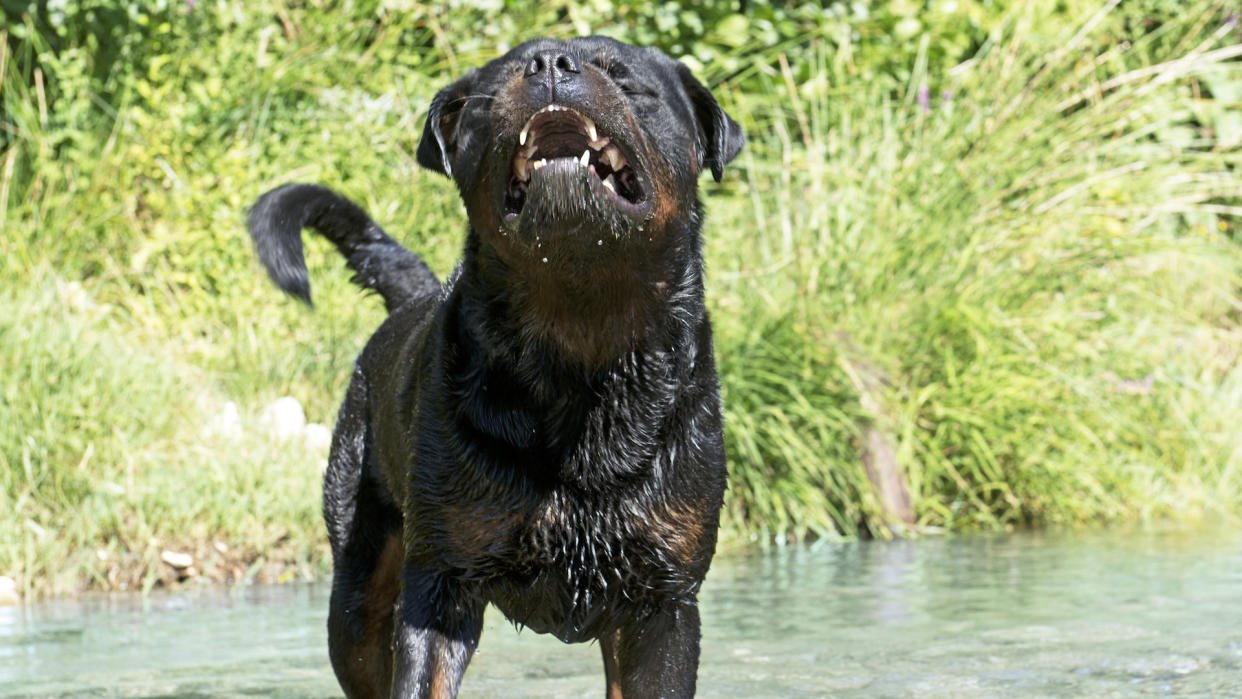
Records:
x=564, y=140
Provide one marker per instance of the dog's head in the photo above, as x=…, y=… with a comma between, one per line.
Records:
x=585, y=135
x=579, y=159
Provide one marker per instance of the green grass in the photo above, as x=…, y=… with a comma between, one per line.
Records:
x=1014, y=263
x=1034, y=279
x=111, y=459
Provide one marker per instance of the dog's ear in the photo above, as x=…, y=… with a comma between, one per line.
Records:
x=723, y=138
x=439, y=140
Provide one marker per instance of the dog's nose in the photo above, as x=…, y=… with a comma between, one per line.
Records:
x=552, y=68
x=555, y=62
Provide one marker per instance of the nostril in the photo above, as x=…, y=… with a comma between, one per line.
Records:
x=535, y=66
x=567, y=63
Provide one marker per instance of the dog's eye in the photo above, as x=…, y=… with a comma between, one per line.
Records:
x=621, y=76
x=633, y=88
x=616, y=71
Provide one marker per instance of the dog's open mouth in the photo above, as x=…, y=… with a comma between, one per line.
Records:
x=561, y=137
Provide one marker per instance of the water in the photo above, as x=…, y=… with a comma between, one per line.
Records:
x=1022, y=615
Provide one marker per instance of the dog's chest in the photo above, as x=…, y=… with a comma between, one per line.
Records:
x=576, y=570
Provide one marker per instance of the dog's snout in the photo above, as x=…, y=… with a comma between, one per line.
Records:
x=552, y=68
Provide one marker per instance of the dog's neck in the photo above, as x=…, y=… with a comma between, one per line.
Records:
x=522, y=389
x=588, y=318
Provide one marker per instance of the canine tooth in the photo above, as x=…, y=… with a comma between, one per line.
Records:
x=614, y=157
x=590, y=128
x=522, y=136
x=521, y=168
x=598, y=143
x=586, y=158
x=608, y=182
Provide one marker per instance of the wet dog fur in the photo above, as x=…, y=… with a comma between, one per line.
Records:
x=543, y=431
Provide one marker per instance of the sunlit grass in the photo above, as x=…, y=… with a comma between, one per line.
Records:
x=1031, y=265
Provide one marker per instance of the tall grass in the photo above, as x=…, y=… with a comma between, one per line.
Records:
x=1036, y=263
x=1023, y=277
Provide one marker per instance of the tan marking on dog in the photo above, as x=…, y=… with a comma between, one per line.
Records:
x=371, y=658
x=678, y=527
x=470, y=530
x=441, y=685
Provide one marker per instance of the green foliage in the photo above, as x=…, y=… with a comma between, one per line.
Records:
x=998, y=235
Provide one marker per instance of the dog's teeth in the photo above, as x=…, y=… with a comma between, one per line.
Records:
x=614, y=158
x=590, y=125
x=586, y=158
x=521, y=168
x=522, y=136
x=598, y=143
x=608, y=182
x=540, y=163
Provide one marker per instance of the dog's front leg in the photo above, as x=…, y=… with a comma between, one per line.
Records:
x=437, y=625
x=656, y=657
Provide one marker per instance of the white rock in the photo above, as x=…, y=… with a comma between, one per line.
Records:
x=226, y=424
x=177, y=559
x=284, y=418
x=318, y=437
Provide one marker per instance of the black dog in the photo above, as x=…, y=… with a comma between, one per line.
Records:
x=543, y=432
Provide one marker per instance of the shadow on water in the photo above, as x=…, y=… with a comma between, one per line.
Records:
x=1098, y=614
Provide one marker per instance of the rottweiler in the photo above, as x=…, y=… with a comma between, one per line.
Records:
x=541, y=432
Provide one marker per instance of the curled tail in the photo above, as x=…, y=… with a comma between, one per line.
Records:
x=379, y=262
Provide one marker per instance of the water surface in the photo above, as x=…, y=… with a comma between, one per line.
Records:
x=1021, y=615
